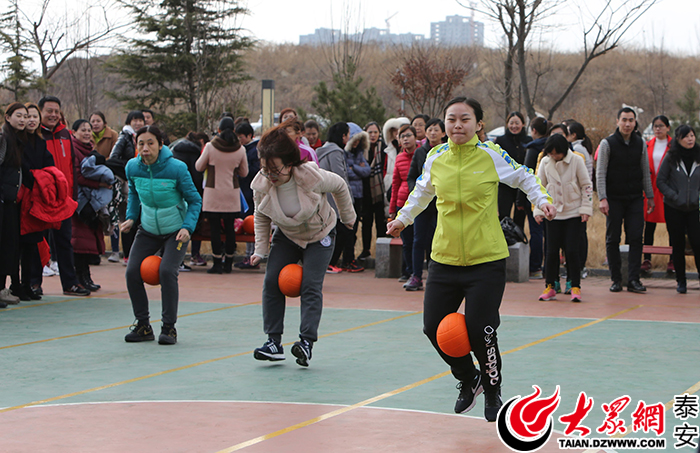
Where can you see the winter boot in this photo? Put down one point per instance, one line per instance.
(216, 268)
(89, 284)
(228, 264)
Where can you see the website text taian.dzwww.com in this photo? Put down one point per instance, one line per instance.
(620, 444)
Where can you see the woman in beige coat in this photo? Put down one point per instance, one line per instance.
(563, 173)
(292, 194)
(103, 136)
(224, 160)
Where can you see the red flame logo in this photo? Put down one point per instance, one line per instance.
(529, 416)
(527, 425)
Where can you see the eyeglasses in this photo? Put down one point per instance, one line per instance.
(267, 172)
(405, 136)
(659, 126)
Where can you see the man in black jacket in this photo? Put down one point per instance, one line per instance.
(246, 136)
(623, 177)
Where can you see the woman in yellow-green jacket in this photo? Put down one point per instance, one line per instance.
(469, 249)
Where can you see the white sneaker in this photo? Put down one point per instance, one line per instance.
(6, 296)
(48, 272)
(114, 257)
(54, 267)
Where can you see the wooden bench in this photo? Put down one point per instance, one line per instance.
(662, 250)
(239, 237)
(204, 226)
(652, 249)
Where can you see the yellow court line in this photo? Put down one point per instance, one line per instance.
(402, 389)
(185, 367)
(120, 327)
(574, 329)
(334, 413)
(41, 304)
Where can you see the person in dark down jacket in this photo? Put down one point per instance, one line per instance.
(188, 150)
(36, 156)
(538, 129)
(162, 194)
(124, 150)
(513, 141)
(358, 169)
(88, 233)
(679, 182)
(246, 135)
(331, 157)
(373, 190)
(12, 142)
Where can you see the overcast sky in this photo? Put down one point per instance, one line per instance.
(674, 24)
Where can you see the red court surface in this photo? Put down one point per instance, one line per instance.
(91, 420)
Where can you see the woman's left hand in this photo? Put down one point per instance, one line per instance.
(584, 217)
(549, 211)
(183, 235)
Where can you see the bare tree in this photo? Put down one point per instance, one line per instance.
(517, 19)
(427, 76)
(343, 52)
(602, 32)
(55, 38)
(657, 77)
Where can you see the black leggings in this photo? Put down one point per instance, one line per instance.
(506, 200)
(215, 219)
(372, 213)
(481, 287)
(563, 234)
(680, 223)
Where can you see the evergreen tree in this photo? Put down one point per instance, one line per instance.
(690, 106)
(18, 79)
(346, 102)
(189, 51)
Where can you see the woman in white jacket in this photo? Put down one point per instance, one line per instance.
(566, 178)
(292, 194)
(391, 135)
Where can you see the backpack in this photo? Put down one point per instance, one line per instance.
(512, 232)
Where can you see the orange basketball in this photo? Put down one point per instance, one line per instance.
(249, 225)
(289, 280)
(150, 270)
(452, 335)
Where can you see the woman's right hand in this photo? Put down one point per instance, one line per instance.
(255, 260)
(126, 226)
(394, 228)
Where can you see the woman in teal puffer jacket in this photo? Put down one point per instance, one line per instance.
(162, 194)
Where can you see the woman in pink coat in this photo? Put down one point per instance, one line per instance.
(224, 160)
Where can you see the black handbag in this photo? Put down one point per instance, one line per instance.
(512, 232)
